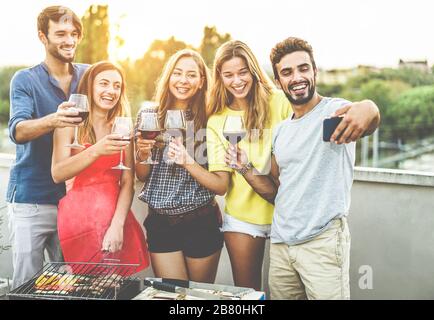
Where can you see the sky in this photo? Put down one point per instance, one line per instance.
(343, 33)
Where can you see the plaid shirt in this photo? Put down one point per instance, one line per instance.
(171, 189)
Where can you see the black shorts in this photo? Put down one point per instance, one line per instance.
(196, 233)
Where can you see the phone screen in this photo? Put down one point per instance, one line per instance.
(329, 126)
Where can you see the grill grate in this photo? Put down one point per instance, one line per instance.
(81, 280)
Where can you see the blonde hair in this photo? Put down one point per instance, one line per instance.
(258, 114)
(198, 102)
(86, 132)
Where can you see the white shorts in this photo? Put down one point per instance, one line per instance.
(231, 224)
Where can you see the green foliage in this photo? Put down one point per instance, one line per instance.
(210, 42)
(143, 73)
(412, 114)
(94, 45)
(329, 90)
(6, 74)
(4, 111)
(404, 97)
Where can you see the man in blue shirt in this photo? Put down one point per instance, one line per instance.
(38, 98)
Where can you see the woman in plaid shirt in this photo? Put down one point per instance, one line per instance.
(183, 222)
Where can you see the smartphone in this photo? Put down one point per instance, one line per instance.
(329, 126)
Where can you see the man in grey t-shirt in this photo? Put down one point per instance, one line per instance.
(310, 182)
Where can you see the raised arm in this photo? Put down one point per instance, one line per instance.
(360, 119)
(266, 185)
(65, 165)
(216, 182)
(22, 125)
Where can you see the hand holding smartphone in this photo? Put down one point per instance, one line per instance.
(329, 126)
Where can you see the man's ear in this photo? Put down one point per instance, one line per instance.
(42, 38)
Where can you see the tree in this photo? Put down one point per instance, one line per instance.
(210, 42)
(143, 73)
(94, 45)
(412, 115)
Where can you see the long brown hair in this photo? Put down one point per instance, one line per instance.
(198, 102)
(258, 114)
(86, 132)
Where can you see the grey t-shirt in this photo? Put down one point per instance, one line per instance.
(315, 176)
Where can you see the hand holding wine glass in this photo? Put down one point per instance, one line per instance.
(124, 127)
(234, 131)
(235, 152)
(110, 144)
(81, 105)
(178, 154)
(175, 125)
(149, 129)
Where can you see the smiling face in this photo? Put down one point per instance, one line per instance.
(61, 40)
(185, 80)
(236, 77)
(107, 89)
(297, 77)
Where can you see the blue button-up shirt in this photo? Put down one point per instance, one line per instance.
(34, 94)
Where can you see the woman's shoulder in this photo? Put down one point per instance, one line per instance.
(279, 105)
(217, 118)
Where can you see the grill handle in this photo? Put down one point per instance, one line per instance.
(161, 286)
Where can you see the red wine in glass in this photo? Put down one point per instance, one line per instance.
(149, 134)
(83, 115)
(82, 106)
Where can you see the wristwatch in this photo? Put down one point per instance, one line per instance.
(246, 168)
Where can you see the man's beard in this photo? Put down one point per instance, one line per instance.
(301, 101)
(55, 53)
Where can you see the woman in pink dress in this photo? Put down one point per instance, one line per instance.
(95, 217)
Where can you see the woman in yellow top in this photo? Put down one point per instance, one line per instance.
(240, 87)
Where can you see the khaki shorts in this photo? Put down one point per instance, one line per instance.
(317, 269)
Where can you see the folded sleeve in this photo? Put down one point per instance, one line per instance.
(21, 102)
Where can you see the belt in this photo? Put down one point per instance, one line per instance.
(189, 215)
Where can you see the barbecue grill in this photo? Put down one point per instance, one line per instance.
(108, 280)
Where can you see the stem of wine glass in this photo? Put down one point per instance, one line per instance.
(121, 159)
(233, 162)
(76, 135)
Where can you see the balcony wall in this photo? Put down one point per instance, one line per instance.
(392, 228)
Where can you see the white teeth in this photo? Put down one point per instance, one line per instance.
(239, 89)
(107, 98)
(182, 90)
(299, 87)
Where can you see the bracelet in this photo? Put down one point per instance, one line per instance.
(246, 168)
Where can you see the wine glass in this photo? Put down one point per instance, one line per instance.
(149, 128)
(123, 126)
(82, 106)
(234, 131)
(175, 125)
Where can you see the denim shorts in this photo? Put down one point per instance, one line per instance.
(232, 224)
